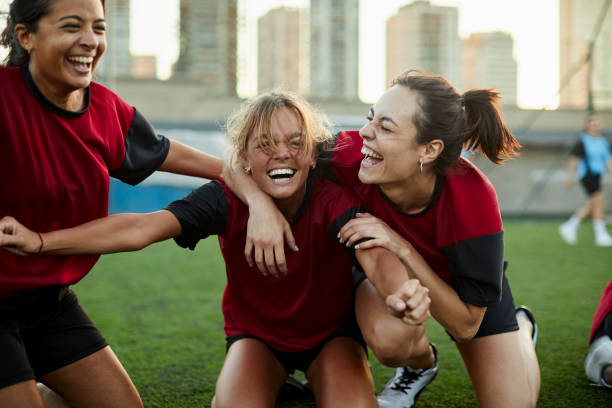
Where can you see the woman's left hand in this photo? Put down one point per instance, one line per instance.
(379, 233)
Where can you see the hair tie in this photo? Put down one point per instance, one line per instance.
(41, 243)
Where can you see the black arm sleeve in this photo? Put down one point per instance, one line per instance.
(578, 150)
(145, 151)
(202, 213)
(477, 266)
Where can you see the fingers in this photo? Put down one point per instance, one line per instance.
(289, 238)
(270, 263)
(410, 303)
(248, 252)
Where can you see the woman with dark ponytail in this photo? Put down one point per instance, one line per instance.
(62, 135)
(439, 214)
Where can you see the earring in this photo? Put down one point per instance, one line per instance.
(421, 165)
(313, 166)
(247, 170)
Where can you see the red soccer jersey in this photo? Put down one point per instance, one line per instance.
(459, 233)
(293, 312)
(55, 169)
(604, 307)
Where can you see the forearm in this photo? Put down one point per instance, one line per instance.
(459, 318)
(386, 273)
(188, 161)
(115, 233)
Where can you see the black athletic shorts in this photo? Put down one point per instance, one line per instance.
(591, 183)
(41, 331)
(301, 360)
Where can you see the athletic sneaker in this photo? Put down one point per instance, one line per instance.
(529, 314)
(404, 388)
(599, 356)
(568, 234)
(603, 239)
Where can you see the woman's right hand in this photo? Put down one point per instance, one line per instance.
(410, 303)
(17, 239)
(267, 231)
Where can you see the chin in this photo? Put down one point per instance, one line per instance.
(366, 178)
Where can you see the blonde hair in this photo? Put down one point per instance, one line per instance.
(254, 116)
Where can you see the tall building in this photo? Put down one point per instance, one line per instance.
(334, 42)
(577, 23)
(488, 63)
(208, 44)
(427, 37)
(116, 62)
(282, 55)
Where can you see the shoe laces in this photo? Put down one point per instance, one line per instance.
(406, 379)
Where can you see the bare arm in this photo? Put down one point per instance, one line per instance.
(572, 165)
(188, 161)
(460, 318)
(405, 297)
(115, 233)
(267, 228)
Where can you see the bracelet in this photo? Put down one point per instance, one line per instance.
(41, 243)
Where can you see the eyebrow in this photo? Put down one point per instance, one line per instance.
(100, 20)
(384, 118)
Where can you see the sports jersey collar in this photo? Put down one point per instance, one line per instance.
(40, 98)
(305, 202)
(430, 204)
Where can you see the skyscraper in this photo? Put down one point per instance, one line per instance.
(334, 43)
(283, 50)
(208, 44)
(577, 23)
(488, 63)
(116, 62)
(424, 36)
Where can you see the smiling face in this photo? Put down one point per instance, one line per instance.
(66, 48)
(389, 139)
(281, 170)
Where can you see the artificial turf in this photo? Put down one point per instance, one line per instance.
(159, 308)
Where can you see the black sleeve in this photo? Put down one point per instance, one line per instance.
(202, 213)
(337, 225)
(145, 151)
(477, 267)
(578, 150)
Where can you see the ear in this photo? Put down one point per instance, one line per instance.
(24, 37)
(244, 162)
(432, 150)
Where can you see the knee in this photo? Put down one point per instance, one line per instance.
(390, 350)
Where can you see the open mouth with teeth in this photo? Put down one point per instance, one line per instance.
(81, 64)
(281, 176)
(371, 158)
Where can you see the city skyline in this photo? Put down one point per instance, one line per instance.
(533, 25)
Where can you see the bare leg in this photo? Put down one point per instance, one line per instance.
(342, 365)
(251, 377)
(21, 395)
(597, 206)
(96, 381)
(492, 360)
(394, 343)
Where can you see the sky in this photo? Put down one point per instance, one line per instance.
(533, 24)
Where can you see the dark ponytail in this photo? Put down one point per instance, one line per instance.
(469, 121)
(28, 13)
(486, 129)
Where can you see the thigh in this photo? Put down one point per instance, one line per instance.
(96, 381)
(251, 376)
(21, 395)
(500, 371)
(392, 341)
(342, 365)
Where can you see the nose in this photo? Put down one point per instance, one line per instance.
(89, 38)
(281, 151)
(366, 131)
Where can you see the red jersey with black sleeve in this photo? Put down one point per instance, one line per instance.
(459, 233)
(292, 312)
(603, 309)
(55, 167)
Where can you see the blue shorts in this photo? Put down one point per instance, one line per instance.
(41, 331)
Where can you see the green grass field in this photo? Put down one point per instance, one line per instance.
(160, 311)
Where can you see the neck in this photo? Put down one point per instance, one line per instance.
(411, 195)
(290, 206)
(68, 100)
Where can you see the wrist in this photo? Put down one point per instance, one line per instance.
(42, 243)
